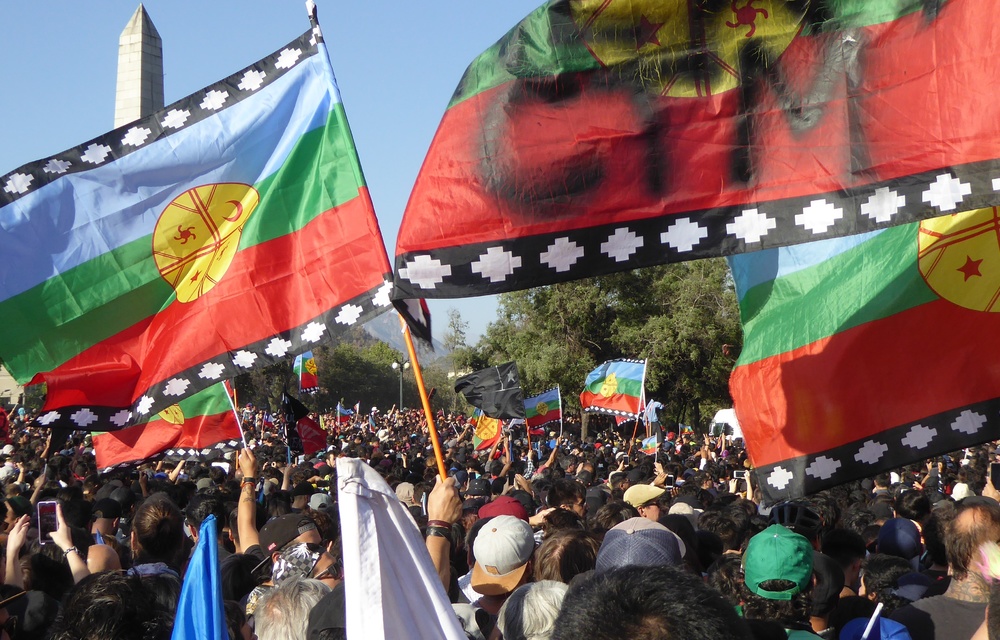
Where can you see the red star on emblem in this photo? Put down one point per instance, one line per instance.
(647, 33)
(970, 268)
(197, 274)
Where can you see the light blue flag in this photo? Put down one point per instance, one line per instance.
(200, 614)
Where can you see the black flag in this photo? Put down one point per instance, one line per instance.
(496, 390)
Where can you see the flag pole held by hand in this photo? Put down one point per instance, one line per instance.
(425, 400)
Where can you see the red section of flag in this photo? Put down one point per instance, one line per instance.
(313, 437)
(267, 289)
(847, 386)
(617, 402)
(144, 441)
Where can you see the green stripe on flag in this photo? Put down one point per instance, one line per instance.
(796, 310)
(320, 173)
(625, 387)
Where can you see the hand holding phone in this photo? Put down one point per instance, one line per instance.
(47, 521)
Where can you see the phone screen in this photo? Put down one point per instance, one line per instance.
(740, 473)
(46, 521)
(670, 482)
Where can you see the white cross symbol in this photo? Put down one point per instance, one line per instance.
(96, 153)
(621, 245)
(883, 205)
(751, 226)
(683, 234)
(288, 58)
(313, 331)
(425, 272)
(278, 347)
(819, 216)
(145, 404)
(381, 297)
(496, 264)
(349, 314)
(871, 452)
(176, 118)
(211, 371)
(135, 136)
(252, 80)
(968, 422)
(779, 478)
(56, 166)
(562, 254)
(214, 100)
(176, 387)
(121, 418)
(823, 467)
(244, 358)
(919, 436)
(18, 183)
(946, 192)
(84, 417)
(49, 418)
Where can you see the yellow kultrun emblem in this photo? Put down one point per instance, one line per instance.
(666, 49)
(610, 386)
(310, 366)
(173, 414)
(198, 234)
(959, 258)
(486, 428)
(541, 408)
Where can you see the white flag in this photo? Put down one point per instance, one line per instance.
(391, 587)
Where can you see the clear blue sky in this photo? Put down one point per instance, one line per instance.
(397, 64)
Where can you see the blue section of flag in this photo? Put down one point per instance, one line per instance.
(757, 267)
(200, 614)
(623, 369)
(342, 411)
(649, 445)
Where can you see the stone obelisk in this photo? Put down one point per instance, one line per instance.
(140, 70)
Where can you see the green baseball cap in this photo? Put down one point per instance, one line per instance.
(777, 553)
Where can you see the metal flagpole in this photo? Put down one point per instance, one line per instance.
(559, 393)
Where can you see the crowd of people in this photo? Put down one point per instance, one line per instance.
(561, 538)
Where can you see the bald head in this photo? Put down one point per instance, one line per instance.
(973, 525)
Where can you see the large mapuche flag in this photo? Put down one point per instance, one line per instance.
(865, 353)
(228, 230)
(603, 135)
(615, 387)
(197, 425)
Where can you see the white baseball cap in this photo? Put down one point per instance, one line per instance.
(502, 550)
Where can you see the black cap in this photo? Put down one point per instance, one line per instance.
(106, 508)
(478, 487)
(303, 489)
(279, 531)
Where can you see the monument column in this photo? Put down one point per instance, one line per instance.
(140, 70)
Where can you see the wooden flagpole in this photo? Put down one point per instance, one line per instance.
(428, 413)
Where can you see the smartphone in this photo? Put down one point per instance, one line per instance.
(46, 521)
(740, 474)
(670, 482)
(995, 473)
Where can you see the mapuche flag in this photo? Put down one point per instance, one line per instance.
(601, 136)
(305, 368)
(615, 387)
(486, 430)
(866, 353)
(496, 390)
(223, 232)
(544, 408)
(196, 426)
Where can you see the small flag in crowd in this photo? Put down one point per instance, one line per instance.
(312, 437)
(544, 408)
(305, 368)
(486, 430)
(615, 387)
(649, 445)
(343, 413)
(200, 612)
(867, 353)
(496, 390)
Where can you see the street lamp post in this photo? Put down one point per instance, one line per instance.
(400, 368)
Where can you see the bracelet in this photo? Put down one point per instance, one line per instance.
(248, 480)
(439, 523)
(439, 532)
(69, 551)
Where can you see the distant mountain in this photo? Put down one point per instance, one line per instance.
(386, 328)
